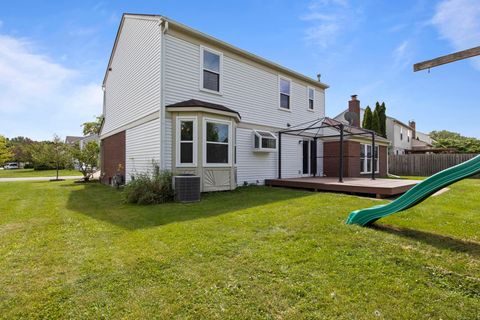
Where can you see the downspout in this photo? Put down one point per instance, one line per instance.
(163, 31)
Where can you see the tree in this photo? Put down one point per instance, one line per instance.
(21, 148)
(448, 139)
(382, 118)
(87, 158)
(5, 152)
(92, 127)
(367, 118)
(61, 155)
(50, 155)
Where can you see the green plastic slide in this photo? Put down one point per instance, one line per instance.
(418, 193)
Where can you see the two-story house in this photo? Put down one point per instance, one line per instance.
(194, 104)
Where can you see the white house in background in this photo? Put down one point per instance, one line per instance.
(195, 104)
(403, 137)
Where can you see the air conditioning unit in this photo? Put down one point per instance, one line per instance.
(187, 188)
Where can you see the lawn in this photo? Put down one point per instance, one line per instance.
(75, 251)
(24, 173)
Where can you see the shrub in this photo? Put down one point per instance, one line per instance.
(149, 188)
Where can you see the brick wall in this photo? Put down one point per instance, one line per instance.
(112, 156)
(351, 160)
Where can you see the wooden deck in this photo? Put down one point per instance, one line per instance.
(380, 188)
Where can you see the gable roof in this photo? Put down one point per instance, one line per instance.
(217, 42)
(72, 139)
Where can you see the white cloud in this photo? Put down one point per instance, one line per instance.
(402, 55)
(458, 21)
(327, 19)
(39, 96)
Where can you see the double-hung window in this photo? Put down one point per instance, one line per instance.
(311, 98)
(408, 135)
(186, 142)
(401, 133)
(284, 86)
(366, 158)
(217, 142)
(211, 72)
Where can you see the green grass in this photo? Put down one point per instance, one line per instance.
(25, 173)
(75, 251)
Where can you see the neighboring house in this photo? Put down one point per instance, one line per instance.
(87, 139)
(357, 149)
(72, 139)
(82, 140)
(403, 137)
(194, 104)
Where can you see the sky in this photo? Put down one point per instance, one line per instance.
(53, 55)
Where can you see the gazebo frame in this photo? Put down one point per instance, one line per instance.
(307, 129)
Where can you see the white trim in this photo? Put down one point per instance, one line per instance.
(308, 98)
(280, 78)
(309, 156)
(366, 158)
(204, 142)
(149, 117)
(205, 110)
(220, 71)
(178, 142)
(163, 30)
(256, 133)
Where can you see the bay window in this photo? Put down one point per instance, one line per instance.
(186, 142)
(217, 142)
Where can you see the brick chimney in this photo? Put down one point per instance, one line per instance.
(412, 124)
(354, 106)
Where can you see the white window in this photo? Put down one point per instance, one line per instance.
(186, 139)
(366, 158)
(211, 70)
(264, 141)
(217, 144)
(284, 88)
(311, 98)
(408, 135)
(401, 133)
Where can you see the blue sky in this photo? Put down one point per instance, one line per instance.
(53, 55)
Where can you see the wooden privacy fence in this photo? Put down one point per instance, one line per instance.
(424, 164)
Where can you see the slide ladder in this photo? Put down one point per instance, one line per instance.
(418, 193)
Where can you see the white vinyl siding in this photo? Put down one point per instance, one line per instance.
(167, 150)
(253, 166)
(133, 84)
(142, 147)
(246, 88)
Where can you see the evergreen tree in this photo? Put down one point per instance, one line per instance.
(367, 118)
(383, 120)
